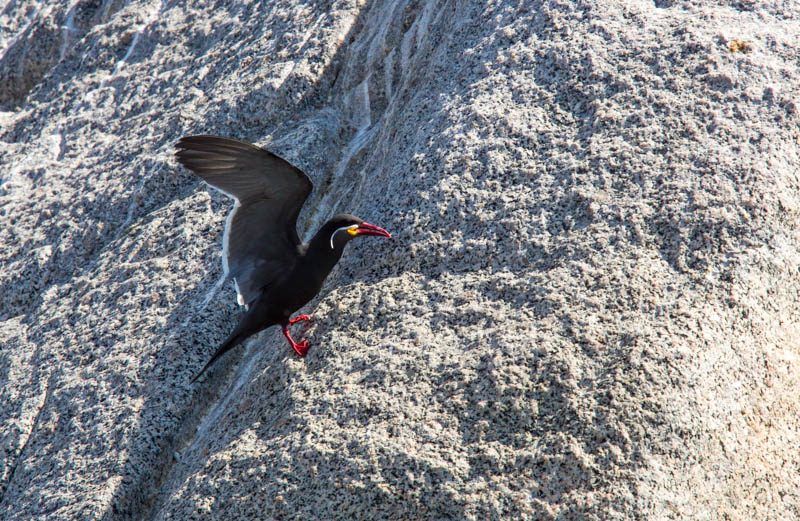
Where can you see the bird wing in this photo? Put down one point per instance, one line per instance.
(261, 241)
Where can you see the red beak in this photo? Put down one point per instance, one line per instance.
(371, 229)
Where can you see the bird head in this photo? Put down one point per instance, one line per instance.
(345, 227)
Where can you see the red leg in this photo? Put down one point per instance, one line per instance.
(299, 318)
(300, 348)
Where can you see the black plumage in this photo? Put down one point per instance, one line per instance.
(274, 273)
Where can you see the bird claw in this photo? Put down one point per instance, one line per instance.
(301, 348)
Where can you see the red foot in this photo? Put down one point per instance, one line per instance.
(300, 348)
(299, 318)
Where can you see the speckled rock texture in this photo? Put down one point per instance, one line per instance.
(589, 309)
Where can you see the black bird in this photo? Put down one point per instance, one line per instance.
(274, 273)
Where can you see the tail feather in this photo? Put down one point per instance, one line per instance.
(235, 339)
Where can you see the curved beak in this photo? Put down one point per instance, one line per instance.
(371, 229)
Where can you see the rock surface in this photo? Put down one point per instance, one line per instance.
(589, 309)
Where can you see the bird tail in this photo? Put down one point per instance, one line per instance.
(235, 339)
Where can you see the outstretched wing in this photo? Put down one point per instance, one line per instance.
(260, 242)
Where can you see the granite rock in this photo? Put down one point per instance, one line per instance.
(589, 309)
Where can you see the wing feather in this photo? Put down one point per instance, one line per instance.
(261, 235)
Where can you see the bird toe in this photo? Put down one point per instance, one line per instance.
(301, 348)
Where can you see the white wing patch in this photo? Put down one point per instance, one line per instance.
(239, 296)
(226, 236)
(226, 244)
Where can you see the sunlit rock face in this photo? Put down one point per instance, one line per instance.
(588, 309)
